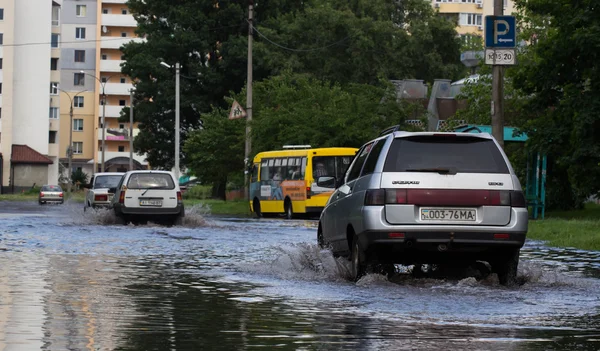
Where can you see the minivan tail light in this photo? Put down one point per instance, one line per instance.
(308, 192)
(374, 197)
(395, 196)
(517, 199)
(122, 196)
(100, 197)
(179, 198)
(499, 198)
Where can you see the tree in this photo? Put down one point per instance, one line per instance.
(560, 70)
(293, 109)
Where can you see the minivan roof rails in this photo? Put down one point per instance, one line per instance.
(390, 130)
(297, 146)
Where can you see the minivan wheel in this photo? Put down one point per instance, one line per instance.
(320, 239)
(357, 259)
(506, 267)
(289, 212)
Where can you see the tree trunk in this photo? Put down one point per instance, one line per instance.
(219, 190)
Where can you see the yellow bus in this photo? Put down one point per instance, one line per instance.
(284, 181)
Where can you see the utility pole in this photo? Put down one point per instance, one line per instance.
(70, 152)
(498, 90)
(103, 126)
(248, 98)
(131, 130)
(177, 69)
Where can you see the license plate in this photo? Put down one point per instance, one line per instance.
(150, 202)
(449, 214)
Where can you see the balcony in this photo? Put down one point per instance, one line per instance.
(110, 65)
(114, 134)
(111, 111)
(118, 20)
(116, 42)
(114, 1)
(53, 150)
(114, 154)
(54, 124)
(118, 88)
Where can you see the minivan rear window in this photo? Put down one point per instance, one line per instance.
(453, 153)
(150, 181)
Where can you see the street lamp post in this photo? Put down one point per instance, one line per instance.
(70, 148)
(177, 70)
(103, 84)
(131, 130)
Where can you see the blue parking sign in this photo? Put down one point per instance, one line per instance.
(500, 32)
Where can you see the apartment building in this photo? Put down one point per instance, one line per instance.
(93, 31)
(29, 76)
(469, 15)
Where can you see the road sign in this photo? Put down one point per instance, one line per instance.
(236, 111)
(506, 57)
(500, 32)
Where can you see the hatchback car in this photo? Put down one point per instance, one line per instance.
(148, 195)
(51, 193)
(427, 199)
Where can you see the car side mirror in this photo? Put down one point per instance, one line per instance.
(326, 182)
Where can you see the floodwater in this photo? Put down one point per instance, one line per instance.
(75, 281)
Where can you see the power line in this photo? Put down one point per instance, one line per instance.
(102, 39)
(300, 50)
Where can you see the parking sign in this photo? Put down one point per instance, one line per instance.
(500, 32)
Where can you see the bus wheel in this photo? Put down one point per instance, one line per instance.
(256, 207)
(289, 212)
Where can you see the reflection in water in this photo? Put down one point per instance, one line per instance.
(83, 284)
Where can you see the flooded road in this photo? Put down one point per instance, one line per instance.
(75, 281)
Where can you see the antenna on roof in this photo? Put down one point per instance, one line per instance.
(297, 147)
(390, 130)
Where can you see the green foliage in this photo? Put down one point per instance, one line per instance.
(560, 70)
(337, 41)
(471, 42)
(79, 176)
(198, 192)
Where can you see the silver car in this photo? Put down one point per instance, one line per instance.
(50, 193)
(421, 199)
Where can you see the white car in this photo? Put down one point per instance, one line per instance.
(148, 195)
(101, 189)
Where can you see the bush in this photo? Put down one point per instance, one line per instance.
(200, 192)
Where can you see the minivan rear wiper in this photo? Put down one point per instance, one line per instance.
(440, 170)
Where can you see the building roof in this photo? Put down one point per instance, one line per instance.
(27, 155)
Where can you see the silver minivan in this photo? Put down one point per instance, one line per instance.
(427, 199)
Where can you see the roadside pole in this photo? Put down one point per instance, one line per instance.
(131, 130)
(177, 72)
(248, 145)
(500, 51)
(498, 90)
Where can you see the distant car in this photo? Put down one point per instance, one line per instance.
(102, 188)
(447, 199)
(148, 195)
(51, 193)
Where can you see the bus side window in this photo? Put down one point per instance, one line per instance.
(303, 169)
(264, 171)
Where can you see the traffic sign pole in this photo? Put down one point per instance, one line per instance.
(498, 85)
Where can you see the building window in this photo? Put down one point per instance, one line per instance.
(79, 55)
(1, 38)
(0, 88)
(79, 79)
(1, 14)
(79, 33)
(470, 19)
(54, 41)
(121, 126)
(121, 148)
(78, 147)
(81, 10)
(105, 11)
(53, 88)
(122, 57)
(104, 57)
(123, 11)
(53, 113)
(123, 34)
(52, 137)
(0, 62)
(123, 80)
(104, 79)
(121, 102)
(54, 64)
(78, 125)
(78, 101)
(56, 16)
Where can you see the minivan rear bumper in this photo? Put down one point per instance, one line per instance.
(433, 243)
(122, 210)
